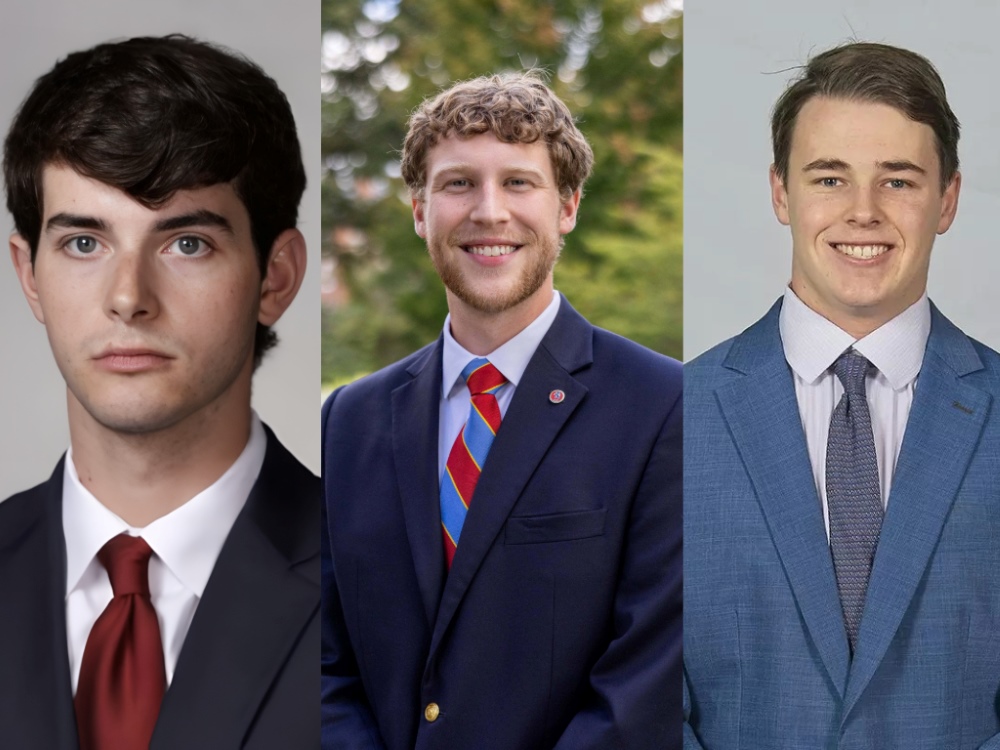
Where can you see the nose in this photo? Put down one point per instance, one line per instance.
(131, 294)
(864, 210)
(490, 205)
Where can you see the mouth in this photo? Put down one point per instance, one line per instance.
(126, 360)
(860, 252)
(490, 251)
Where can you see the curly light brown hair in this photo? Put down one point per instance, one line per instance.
(516, 108)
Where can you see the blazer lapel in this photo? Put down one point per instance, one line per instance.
(262, 594)
(415, 413)
(762, 413)
(527, 431)
(35, 677)
(942, 432)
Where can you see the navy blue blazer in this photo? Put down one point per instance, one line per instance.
(559, 622)
(246, 676)
(766, 658)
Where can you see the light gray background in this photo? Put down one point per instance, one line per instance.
(283, 38)
(737, 258)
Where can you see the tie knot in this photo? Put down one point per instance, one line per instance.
(851, 368)
(126, 558)
(482, 377)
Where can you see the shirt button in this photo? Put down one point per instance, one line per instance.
(432, 711)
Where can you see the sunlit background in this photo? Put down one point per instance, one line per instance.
(618, 66)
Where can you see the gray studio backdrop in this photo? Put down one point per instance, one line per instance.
(283, 38)
(737, 258)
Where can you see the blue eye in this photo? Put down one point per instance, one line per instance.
(83, 245)
(190, 246)
(897, 183)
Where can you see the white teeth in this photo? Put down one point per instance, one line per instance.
(862, 251)
(491, 250)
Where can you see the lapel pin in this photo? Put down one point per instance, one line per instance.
(557, 396)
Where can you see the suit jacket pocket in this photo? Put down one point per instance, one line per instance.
(554, 527)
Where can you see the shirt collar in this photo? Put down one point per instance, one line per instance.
(812, 343)
(187, 540)
(511, 358)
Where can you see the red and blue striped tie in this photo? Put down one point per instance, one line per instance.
(468, 454)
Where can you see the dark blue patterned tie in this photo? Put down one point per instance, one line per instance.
(852, 490)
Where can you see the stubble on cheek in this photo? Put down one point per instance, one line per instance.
(501, 293)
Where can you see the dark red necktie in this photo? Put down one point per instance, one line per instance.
(122, 677)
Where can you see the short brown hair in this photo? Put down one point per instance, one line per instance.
(866, 72)
(516, 108)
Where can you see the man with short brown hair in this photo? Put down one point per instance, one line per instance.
(841, 465)
(502, 551)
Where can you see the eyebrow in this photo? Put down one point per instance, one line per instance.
(826, 165)
(838, 165)
(901, 165)
(75, 221)
(200, 218)
(465, 168)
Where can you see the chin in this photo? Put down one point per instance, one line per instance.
(135, 414)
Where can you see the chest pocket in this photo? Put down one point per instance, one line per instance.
(554, 527)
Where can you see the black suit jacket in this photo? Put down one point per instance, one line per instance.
(247, 674)
(559, 622)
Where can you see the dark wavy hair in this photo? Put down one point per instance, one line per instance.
(154, 115)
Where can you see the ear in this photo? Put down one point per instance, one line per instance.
(20, 253)
(419, 222)
(567, 213)
(949, 203)
(285, 271)
(779, 197)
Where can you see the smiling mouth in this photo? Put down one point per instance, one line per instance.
(490, 251)
(862, 252)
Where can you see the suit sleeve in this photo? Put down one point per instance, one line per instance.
(691, 741)
(993, 743)
(347, 719)
(634, 694)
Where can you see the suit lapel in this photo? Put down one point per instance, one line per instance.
(35, 676)
(942, 432)
(763, 416)
(262, 593)
(415, 414)
(527, 431)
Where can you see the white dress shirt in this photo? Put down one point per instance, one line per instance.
(812, 344)
(186, 543)
(511, 359)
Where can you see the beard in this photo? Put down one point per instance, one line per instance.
(494, 290)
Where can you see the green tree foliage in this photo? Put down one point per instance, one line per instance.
(617, 65)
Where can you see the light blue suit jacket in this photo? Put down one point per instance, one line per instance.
(767, 664)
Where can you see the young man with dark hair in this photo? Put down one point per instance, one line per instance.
(502, 567)
(161, 589)
(841, 467)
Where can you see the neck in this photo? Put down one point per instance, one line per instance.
(481, 333)
(141, 477)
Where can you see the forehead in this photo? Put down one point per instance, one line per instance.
(486, 152)
(859, 133)
(64, 190)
